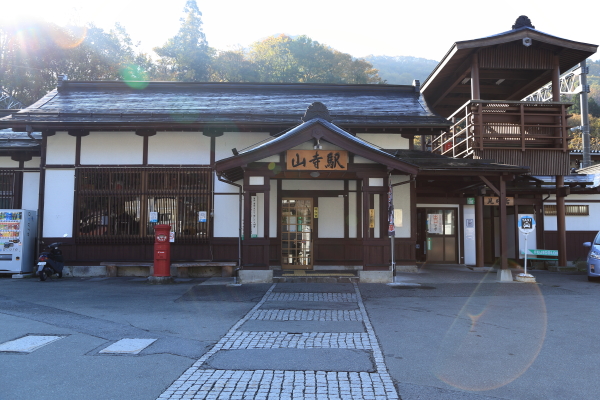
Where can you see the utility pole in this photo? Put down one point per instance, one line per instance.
(585, 119)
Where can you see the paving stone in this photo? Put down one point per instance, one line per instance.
(303, 326)
(325, 328)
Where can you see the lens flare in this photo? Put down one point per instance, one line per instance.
(134, 76)
(274, 167)
(68, 37)
(487, 321)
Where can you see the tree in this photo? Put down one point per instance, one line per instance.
(33, 54)
(186, 56)
(301, 59)
(232, 66)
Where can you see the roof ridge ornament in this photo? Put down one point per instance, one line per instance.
(317, 110)
(522, 21)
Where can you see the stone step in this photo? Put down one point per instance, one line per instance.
(315, 276)
(315, 279)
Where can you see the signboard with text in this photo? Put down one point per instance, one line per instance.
(317, 160)
(495, 201)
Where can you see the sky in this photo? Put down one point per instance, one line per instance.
(424, 29)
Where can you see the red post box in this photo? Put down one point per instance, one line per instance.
(162, 250)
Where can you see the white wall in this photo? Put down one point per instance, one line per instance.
(239, 140)
(309, 145)
(385, 140)
(352, 223)
(58, 202)
(112, 148)
(31, 190)
(61, 149)
(402, 219)
(316, 184)
(469, 235)
(179, 148)
(33, 163)
(362, 160)
(226, 219)
(6, 162)
(331, 217)
(590, 222)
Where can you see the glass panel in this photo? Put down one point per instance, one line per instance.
(449, 222)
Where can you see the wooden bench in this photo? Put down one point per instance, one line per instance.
(546, 255)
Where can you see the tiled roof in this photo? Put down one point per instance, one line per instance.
(175, 102)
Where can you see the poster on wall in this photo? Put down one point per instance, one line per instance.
(253, 216)
(469, 229)
(434, 223)
(153, 216)
(201, 216)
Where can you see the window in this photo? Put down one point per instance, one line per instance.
(7, 189)
(122, 205)
(570, 210)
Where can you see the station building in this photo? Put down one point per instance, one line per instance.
(305, 176)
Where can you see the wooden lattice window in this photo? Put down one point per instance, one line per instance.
(570, 210)
(7, 189)
(122, 205)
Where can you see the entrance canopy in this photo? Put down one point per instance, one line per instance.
(316, 130)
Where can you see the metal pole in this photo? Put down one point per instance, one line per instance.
(527, 234)
(393, 260)
(585, 119)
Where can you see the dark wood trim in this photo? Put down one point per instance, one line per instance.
(145, 145)
(42, 190)
(503, 226)
(306, 134)
(561, 222)
(78, 132)
(346, 210)
(77, 150)
(213, 147)
(479, 233)
(460, 233)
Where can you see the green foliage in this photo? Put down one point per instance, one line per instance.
(301, 59)
(593, 106)
(402, 70)
(186, 56)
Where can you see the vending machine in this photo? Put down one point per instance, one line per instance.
(17, 241)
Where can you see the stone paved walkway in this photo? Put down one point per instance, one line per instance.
(201, 381)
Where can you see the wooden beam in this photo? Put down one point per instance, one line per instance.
(479, 247)
(475, 89)
(561, 226)
(489, 184)
(556, 79)
(503, 226)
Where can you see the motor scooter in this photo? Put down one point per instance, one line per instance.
(50, 262)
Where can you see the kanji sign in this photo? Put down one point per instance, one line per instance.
(495, 201)
(317, 160)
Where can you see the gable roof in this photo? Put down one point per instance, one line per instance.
(245, 106)
(316, 128)
(444, 91)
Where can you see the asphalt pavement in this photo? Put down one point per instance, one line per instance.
(446, 332)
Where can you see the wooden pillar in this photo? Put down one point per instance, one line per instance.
(556, 79)
(503, 227)
(475, 91)
(561, 228)
(479, 256)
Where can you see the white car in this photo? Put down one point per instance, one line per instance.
(593, 260)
